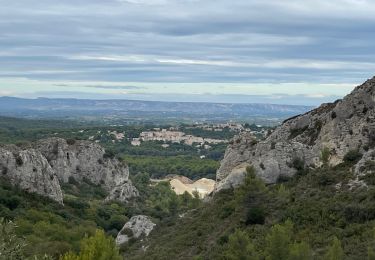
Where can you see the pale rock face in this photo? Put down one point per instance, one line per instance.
(137, 226)
(84, 159)
(345, 125)
(52, 161)
(367, 164)
(30, 170)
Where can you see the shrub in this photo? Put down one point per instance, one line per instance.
(255, 215)
(117, 222)
(333, 115)
(19, 160)
(278, 241)
(98, 246)
(324, 155)
(71, 141)
(109, 154)
(326, 179)
(335, 251)
(282, 178)
(4, 170)
(261, 165)
(298, 164)
(127, 231)
(239, 246)
(72, 180)
(352, 157)
(294, 132)
(11, 247)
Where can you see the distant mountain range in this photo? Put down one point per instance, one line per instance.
(148, 110)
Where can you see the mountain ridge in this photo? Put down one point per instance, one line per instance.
(344, 126)
(47, 107)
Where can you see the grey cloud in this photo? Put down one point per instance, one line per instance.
(223, 40)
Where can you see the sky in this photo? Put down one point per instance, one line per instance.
(238, 51)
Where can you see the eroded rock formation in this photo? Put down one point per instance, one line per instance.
(49, 162)
(339, 127)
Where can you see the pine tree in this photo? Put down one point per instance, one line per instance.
(335, 251)
(11, 246)
(279, 241)
(300, 251)
(97, 247)
(370, 250)
(239, 247)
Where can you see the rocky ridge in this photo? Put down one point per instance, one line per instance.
(339, 127)
(42, 167)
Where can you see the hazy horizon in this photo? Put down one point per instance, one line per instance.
(290, 52)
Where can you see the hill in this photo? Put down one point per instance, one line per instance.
(112, 110)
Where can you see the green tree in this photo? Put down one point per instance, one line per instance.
(11, 246)
(300, 251)
(97, 247)
(370, 254)
(279, 241)
(335, 251)
(370, 250)
(252, 189)
(239, 247)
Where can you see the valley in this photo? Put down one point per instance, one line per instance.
(301, 190)
(187, 130)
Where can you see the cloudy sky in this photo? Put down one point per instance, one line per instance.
(290, 51)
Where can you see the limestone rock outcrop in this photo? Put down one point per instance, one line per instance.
(30, 170)
(339, 127)
(136, 227)
(48, 162)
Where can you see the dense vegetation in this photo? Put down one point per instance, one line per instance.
(317, 214)
(159, 167)
(52, 229)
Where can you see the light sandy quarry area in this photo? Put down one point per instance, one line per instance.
(202, 186)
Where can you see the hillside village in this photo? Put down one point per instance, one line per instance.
(174, 135)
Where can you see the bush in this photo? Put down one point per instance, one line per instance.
(4, 170)
(282, 179)
(109, 154)
(19, 160)
(326, 179)
(255, 215)
(324, 155)
(333, 115)
(117, 222)
(127, 231)
(11, 247)
(71, 141)
(98, 246)
(352, 157)
(261, 165)
(298, 164)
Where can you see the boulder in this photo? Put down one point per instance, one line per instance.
(136, 227)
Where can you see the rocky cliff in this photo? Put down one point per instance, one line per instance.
(47, 163)
(337, 128)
